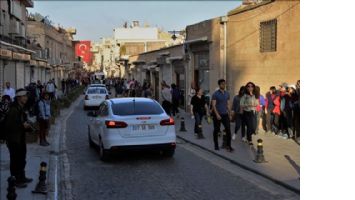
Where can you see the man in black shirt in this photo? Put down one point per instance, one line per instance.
(198, 109)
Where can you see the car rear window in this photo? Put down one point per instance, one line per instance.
(96, 91)
(137, 108)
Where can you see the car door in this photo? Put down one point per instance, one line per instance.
(95, 125)
(101, 118)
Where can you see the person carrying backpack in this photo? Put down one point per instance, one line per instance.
(4, 109)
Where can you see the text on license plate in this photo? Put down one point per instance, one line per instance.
(143, 127)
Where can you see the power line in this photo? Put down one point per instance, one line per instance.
(253, 32)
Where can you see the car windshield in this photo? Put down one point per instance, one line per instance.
(137, 108)
(96, 91)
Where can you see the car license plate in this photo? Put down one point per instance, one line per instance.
(97, 97)
(143, 127)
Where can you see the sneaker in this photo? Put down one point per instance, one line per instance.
(229, 149)
(42, 143)
(27, 180)
(20, 184)
(233, 137)
(285, 136)
(244, 139)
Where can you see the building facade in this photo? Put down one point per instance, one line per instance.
(57, 47)
(14, 53)
(263, 44)
(165, 64)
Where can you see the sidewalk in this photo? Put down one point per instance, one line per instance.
(282, 156)
(35, 155)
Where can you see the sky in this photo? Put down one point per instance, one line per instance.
(95, 19)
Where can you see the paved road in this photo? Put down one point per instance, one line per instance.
(191, 174)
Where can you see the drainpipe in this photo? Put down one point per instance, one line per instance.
(224, 20)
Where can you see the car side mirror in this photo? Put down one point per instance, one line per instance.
(92, 114)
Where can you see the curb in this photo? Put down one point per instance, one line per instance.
(285, 185)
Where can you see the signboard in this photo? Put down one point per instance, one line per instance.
(16, 56)
(5, 53)
(26, 57)
(33, 62)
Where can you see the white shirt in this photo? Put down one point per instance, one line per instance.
(50, 87)
(10, 92)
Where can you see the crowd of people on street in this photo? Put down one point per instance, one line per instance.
(278, 112)
(20, 111)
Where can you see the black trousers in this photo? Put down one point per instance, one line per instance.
(167, 107)
(240, 123)
(217, 126)
(249, 117)
(17, 159)
(175, 106)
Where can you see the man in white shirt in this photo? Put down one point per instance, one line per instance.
(9, 91)
(50, 88)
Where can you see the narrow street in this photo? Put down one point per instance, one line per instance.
(190, 174)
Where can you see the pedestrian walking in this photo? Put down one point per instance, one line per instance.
(175, 93)
(222, 114)
(199, 109)
(50, 89)
(259, 109)
(248, 104)
(237, 114)
(63, 86)
(9, 91)
(166, 95)
(4, 109)
(15, 126)
(272, 110)
(44, 108)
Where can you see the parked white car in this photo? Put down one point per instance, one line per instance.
(94, 85)
(131, 124)
(94, 96)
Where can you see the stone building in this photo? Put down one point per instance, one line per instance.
(57, 47)
(165, 64)
(14, 53)
(263, 44)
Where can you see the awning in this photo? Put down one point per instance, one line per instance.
(16, 46)
(202, 39)
(175, 58)
(166, 53)
(152, 67)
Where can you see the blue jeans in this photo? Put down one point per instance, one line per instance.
(198, 122)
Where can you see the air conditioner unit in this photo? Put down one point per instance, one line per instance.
(14, 27)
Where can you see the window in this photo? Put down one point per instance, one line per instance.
(137, 108)
(268, 36)
(96, 91)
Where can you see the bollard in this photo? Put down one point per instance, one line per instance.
(259, 158)
(41, 185)
(182, 125)
(11, 189)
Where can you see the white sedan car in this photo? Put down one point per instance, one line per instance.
(94, 96)
(131, 124)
